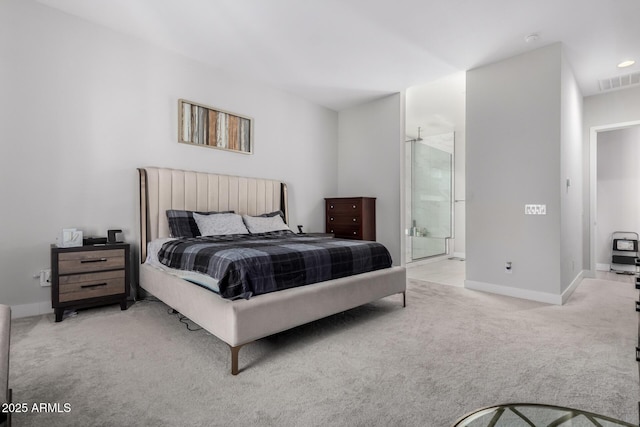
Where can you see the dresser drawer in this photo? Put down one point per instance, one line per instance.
(344, 205)
(340, 219)
(90, 285)
(345, 231)
(81, 262)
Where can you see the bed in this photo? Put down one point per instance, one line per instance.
(238, 322)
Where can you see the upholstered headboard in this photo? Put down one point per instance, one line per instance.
(162, 189)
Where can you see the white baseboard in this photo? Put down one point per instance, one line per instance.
(545, 297)
(603, 267)
(34, 309)
(573, 286)
(514, 292)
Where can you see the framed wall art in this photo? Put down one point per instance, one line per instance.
(214, 128)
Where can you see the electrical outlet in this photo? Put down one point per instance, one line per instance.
(45, 277)
(508, 268)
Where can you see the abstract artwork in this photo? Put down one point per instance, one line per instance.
(210, 127)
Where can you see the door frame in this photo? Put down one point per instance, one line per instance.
(593, 183)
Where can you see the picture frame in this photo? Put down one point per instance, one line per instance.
(211, 127)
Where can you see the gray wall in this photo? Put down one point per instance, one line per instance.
(82, 107)
(519, 117)
(571, 179)
(369, 162)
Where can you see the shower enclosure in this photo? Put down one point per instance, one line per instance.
(429, 195)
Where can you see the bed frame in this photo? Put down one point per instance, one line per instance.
(240, 322)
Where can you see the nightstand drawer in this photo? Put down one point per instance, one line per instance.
(80, 262)
(90, 285)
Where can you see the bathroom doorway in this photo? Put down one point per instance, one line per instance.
(429, 195)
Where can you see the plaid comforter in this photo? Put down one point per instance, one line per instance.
(255, 264)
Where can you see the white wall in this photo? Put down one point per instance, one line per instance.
(515, 129)
(81, 107)
(607, 109)
(618, 186)
(571, 179)
(370, 149)
(439, 107)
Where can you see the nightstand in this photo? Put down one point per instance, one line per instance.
(87, 276)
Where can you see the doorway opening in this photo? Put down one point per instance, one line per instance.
(429, 195)
(599, 233)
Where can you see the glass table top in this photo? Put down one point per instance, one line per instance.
(535, 415)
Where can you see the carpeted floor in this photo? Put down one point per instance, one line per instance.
(447, 353)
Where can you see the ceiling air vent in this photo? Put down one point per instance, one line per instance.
(619, 82)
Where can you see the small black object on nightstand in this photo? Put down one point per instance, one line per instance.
(111, 236)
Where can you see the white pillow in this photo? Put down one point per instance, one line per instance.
(220, 224)
(261, 224)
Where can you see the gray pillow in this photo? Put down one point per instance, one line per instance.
(264, 224)
(182, 224)
(220, 224)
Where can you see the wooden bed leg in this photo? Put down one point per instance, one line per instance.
(404, 299)
(234, 359)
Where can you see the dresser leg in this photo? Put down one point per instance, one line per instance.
(123, 304)
(58, 312)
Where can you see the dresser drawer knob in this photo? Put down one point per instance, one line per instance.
(331, 207)
(354, 206)
(354, 220)
(84, 261)
(355, 232)
(332, 231)
(95, 285)
(331, 219)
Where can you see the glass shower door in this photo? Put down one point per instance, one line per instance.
(431, 222)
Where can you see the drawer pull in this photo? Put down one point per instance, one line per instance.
(354, 220)
(332, 231)
(84, 261)
(354, 206)
(95, 285)
(331, 219)
(355, 232)
(331, 207)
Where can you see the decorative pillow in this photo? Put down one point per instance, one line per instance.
(220, 224)
(264, 224)
(182, 223)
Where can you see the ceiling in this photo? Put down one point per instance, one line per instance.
(339, 53)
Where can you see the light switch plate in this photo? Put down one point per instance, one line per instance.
(535, 209)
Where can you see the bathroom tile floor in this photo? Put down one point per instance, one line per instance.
(452, 272)
(445, 271)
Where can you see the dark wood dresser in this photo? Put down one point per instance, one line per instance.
(87, 276)
(351, 217)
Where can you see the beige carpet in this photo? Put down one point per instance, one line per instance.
(447, 353)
